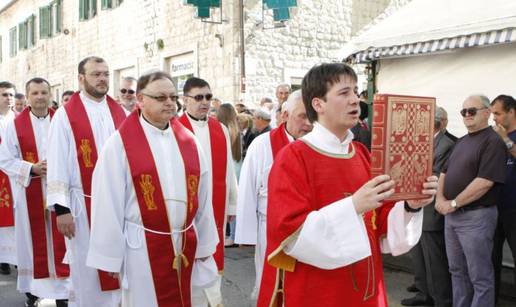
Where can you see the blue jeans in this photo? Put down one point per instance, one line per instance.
(469, 244)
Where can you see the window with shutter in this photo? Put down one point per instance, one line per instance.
(106, 4)
(12, 42)
(31, 31)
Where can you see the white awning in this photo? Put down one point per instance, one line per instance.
(435, 26)
(494, 37)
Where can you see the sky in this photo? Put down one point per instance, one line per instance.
(3, 3)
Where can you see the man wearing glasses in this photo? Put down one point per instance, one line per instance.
(468, 193)
(76, 136)
(214, 138)
(7, 243)
(128, 94)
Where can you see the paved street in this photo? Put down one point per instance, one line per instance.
(237, 284)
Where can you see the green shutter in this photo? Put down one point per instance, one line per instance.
(22, 36)
(50, 20)
(106, 4)
(59, 16)
(93, 8)
(12, 42)
(31, 36)
(81, 9)
(45, 25)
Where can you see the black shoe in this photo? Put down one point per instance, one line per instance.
(32, 301)
(5, 269)
(417, 300)
(412, 288)
(61, 303)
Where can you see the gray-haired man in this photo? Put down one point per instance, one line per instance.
(468, 192)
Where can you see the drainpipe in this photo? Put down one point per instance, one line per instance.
(242, 45)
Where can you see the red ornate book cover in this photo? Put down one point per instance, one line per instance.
(403, 141)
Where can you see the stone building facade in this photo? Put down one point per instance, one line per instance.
(48, 38)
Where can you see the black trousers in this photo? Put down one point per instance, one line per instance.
(432, 276)
(505, 230)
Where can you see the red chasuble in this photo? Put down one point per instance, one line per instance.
(171, 273)
(279, 139)
(36, 206)
(219, 166)
(6, 201)
(87, 156)
(304, 179)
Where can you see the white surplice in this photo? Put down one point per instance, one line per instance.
(251, 216)
(64, 187)
(11, 161)
(329, 227)
(117, 242)
(7, 236)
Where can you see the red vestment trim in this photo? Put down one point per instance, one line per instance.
(6, 201)
(36, 205)
(219, 166)
(171, 273)
(279, 139)
(87, 156)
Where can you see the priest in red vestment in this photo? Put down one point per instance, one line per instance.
(327, 224)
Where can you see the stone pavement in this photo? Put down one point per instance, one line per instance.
(237, 284)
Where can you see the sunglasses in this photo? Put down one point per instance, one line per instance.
(163, 98)
(123, 91)
(200, 97)
(7, 94)
(470, 111)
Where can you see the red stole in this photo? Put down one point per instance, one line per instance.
(279, 139)
(219, 166)
(87, 156)
(6, 201)
(171, 273)
(36, 206)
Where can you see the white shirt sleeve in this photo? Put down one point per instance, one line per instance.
(11, 161)
(403, 230)
(332, 237)
(107, 239)
(59, 160)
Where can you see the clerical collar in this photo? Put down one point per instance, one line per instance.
(148, 122)
(39, 117)
(325, 140)
(289, 136)
(197, 120)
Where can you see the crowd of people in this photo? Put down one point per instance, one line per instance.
(131, 200)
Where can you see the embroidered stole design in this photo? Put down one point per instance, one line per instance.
(6, 201)
(87, 156)
(36, 206)
(171, 272)
(219, 166)
(279, 139)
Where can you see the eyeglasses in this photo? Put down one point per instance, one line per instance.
(163, 98)
(124, 91)
(470, 111)
(200, 97)
(97, 74)
(8, 94)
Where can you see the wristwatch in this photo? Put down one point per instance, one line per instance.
(509, 144)
(453, 204)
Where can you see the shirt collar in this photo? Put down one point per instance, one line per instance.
(152, 129)
(87, 100)
(197, 122)
(325, 140)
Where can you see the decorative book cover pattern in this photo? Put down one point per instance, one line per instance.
(402, 142)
